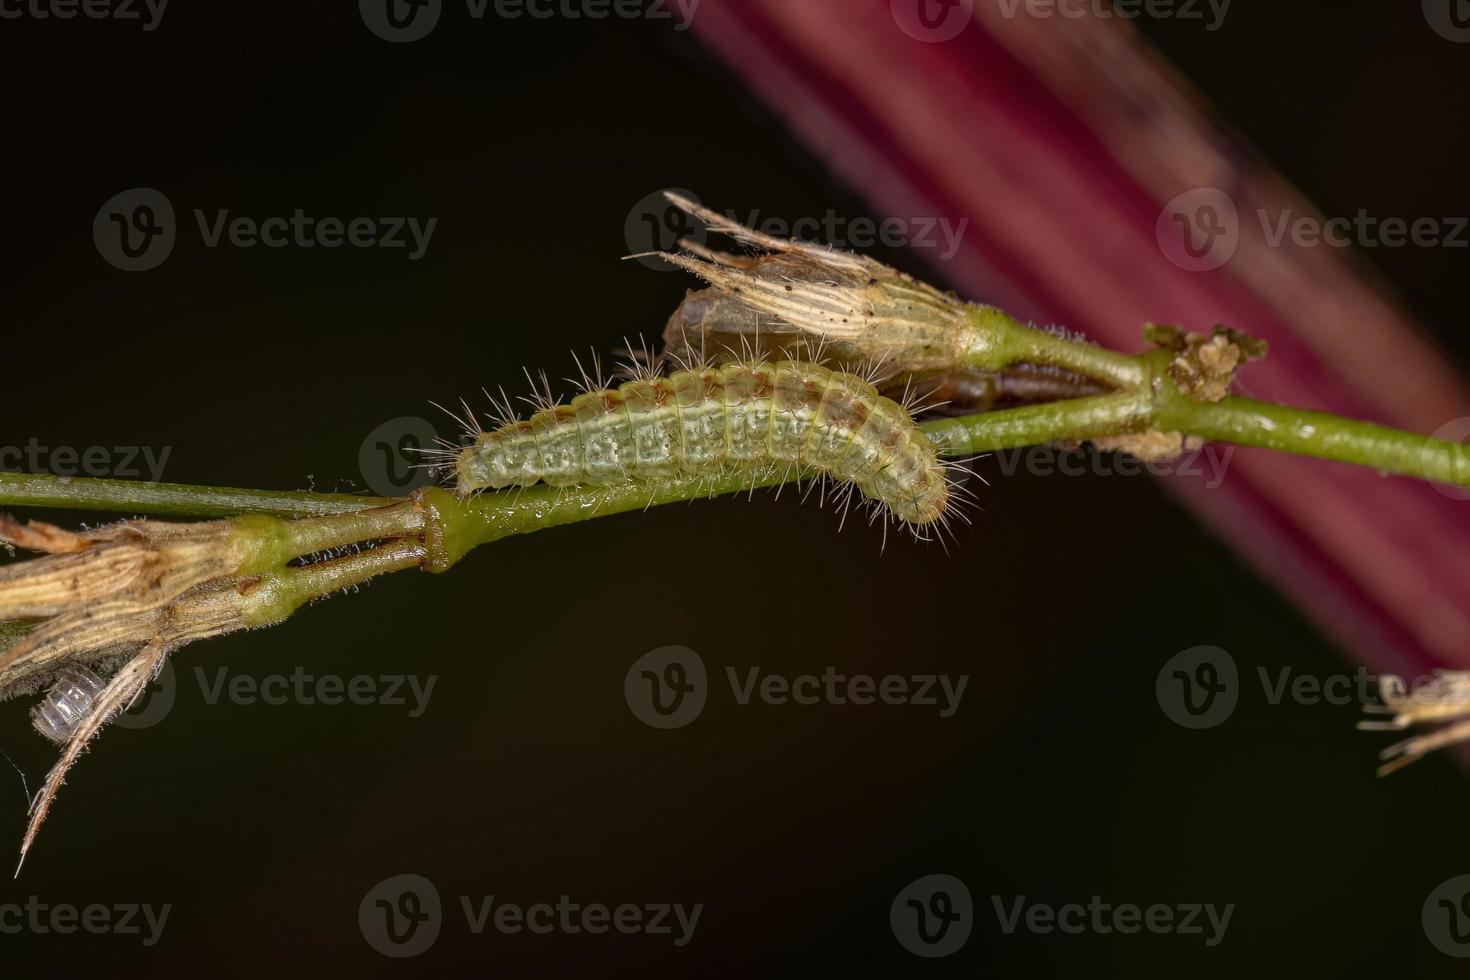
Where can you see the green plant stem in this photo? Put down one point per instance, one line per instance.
(456, 526)
(998, 340)
(183, 500)
(1247, 422)
(1071, 420)
(271, 542)
(282, 591)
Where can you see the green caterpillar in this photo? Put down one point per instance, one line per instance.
(753, 417)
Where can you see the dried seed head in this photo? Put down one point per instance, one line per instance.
(105, 593)
(1444, 700)
(863, 309)
(133, 593)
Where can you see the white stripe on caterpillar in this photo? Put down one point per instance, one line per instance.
(755, 418)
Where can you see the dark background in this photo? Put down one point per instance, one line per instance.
(528, 777)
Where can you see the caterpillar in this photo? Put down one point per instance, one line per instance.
(59, 713)
(746, 416)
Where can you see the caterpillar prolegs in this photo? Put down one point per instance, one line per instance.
(746, 417)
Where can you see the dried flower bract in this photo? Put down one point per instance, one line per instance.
(862, 309)
(121, 599)
(1444, 701)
